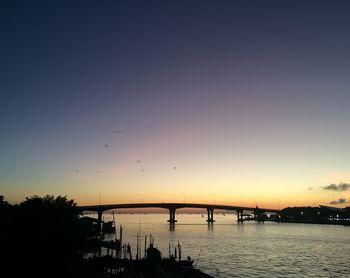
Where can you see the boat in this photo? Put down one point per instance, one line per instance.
(108, 227)
(119, 262)
(151, 266)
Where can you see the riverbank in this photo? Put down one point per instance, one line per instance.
(311, 221)
(111, 267)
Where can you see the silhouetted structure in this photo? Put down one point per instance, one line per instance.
(317, 215)
(50, 239)
(259, 213)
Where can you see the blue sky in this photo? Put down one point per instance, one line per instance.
(247, 99)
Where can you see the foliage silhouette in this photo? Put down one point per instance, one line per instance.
(42, 236)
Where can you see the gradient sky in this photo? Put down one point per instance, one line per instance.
(249, 100)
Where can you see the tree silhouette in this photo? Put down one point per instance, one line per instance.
(42, 236)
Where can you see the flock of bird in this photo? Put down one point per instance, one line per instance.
(119, 131)
(143, 170)
(99, 171)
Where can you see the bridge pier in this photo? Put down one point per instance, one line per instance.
(172, 216)
(239, 216)
(99, 222)
(259, 215)
(278, 216)
(210, 215)
(99, 228)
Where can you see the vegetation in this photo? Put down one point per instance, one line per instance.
(42, 236)
(322, 215)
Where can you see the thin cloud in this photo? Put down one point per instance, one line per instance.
(338, 202)
(137, 128)
(339, 187)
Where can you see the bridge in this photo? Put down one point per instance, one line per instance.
(172, 207)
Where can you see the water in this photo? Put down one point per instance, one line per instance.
(228, 249)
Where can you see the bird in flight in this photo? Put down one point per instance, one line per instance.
(106, 146)
(138, 161)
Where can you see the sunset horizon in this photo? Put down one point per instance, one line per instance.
(175, 138)
(241, 104)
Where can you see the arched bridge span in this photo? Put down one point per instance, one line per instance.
(172, 207)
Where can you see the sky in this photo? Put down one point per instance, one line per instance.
(226, 102)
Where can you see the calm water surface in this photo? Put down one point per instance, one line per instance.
(228, 249)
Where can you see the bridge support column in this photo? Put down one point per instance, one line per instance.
(210, 215)
(278, 216)
(259, 215)
(172, 216)
(240, 216)
(99, 229)
(99, 222)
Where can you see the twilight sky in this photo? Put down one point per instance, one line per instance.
(233, 102)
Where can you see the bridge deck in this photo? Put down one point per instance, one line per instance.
(172, 206)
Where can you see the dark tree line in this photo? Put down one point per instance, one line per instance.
(43, 237)
(315, 214)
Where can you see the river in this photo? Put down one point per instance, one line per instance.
(227, 249)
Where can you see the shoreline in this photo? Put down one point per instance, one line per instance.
(338, 222)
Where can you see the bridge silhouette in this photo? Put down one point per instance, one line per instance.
(258, 213)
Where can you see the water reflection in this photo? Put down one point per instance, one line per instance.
(248, 249)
